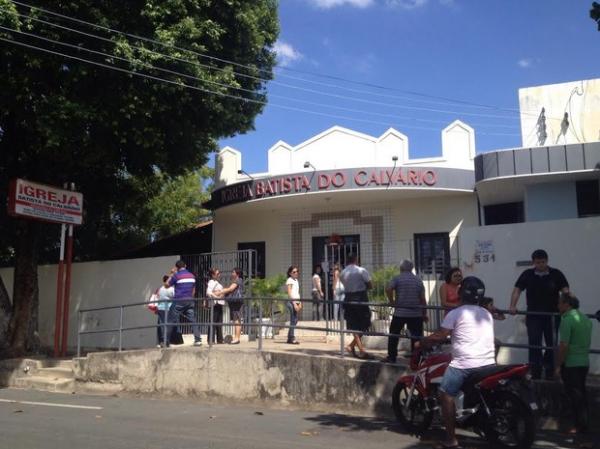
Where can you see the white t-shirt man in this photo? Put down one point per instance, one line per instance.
(472, 329)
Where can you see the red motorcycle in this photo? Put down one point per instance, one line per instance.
(497, 402)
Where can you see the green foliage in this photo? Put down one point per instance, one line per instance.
(113, 133)
(381, 278)
(178, 205)
(271, 287)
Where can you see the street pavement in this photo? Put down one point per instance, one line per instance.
(33, 420)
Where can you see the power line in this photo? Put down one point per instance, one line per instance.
(110, 30)
(342, 97)
(244, 99)
(172, 72)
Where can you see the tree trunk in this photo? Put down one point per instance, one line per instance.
(5, 314)
(22, 329)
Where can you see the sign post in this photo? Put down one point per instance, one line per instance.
(42, 202)
(59, 291)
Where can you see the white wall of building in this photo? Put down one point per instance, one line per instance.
(401, 220)
(573, 247)
(550, 201)
(342, 148)
(99, 284)
(580, 99)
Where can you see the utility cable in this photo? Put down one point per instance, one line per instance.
(466, 103)
(328, 94)
(249, 100)
(172, 72)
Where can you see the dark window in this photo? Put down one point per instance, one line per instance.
(588, 198)
(260, 255)
(432, 253)
(504, 213)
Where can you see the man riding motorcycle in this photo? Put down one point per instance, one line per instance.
(471, 329)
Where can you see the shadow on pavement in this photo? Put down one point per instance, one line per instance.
(544, 438)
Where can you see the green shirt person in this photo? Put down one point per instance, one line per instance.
(575, 336)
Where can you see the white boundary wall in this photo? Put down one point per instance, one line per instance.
(99, 284)
(573, 246)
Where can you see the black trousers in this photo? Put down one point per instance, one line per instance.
(217, 330)
(574, 381)
(415, 327)
(541, 327)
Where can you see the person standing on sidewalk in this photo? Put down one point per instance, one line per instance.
(406, 293)
(317, 293)
(573, 361)
(356, 281)
(162, 309)
(214, 293)
(184, 300)
(294, 305)
(543, 285)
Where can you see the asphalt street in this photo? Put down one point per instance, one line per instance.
(52, 420)
(33, 420)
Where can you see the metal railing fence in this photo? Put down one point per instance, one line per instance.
(263, 307)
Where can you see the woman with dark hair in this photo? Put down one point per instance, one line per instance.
(449, 297)
(317, 293)
(234, 295)
(214, 292)
(338, 291)
(294, 305)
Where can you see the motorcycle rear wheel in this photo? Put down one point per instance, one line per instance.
(416, 418)
(512, 424)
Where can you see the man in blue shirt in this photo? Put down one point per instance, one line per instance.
(184, 301)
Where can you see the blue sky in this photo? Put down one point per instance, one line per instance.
(475, 51)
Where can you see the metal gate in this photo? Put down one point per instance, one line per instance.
(225, 262)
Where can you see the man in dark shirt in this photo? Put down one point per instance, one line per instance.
(542, 284)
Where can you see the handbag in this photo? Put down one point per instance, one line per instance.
(151, 305)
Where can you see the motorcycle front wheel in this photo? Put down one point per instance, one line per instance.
(511, 424)
(415, 417)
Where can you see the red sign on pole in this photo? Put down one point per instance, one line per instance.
(41, 202)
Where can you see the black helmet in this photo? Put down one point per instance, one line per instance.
(472, 290)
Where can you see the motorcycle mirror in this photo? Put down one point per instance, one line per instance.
(598, 315)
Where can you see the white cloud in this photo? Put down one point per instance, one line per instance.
(407, 4)
(286, 54)
(328, 4)
(525, 63)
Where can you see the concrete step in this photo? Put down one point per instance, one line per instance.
(46, 384)
(57, 363)
(55, 373)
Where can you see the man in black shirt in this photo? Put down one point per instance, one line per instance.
(542, 284)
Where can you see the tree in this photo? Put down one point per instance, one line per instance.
(112, 132)
(595, 13)
(178, 205)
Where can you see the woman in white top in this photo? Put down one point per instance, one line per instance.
(338, 291)
(294, 306)
(215, 295)
(162, 309)
(317, 293)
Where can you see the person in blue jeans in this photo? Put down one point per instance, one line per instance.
(162, 309)
(294, 305)
(542, 284)
(184, 301)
